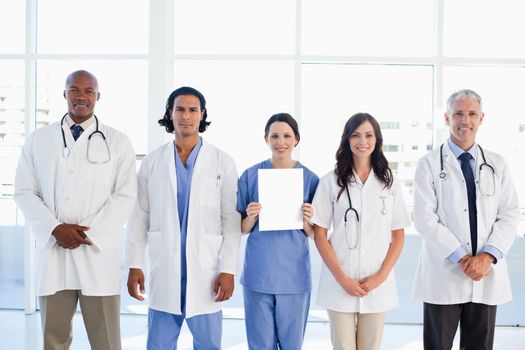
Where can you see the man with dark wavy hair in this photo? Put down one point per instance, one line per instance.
(186, 217)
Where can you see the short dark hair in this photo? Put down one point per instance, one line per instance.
(285, 118)
(183, 91)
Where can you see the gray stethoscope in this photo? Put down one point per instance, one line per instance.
(92, 156)
(354, 211)
(482, 169)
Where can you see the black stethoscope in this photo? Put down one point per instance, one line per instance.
(443, 174)
(66, 152)
(352, 210)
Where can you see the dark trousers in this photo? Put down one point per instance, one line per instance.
(476, 322)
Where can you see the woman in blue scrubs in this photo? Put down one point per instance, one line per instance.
(276, 276)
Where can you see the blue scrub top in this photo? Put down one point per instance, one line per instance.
(275, 262)
(184, 175)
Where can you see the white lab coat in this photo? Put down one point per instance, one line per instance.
(214, 231)
(375, 238)
(51, 189)
(441, 217)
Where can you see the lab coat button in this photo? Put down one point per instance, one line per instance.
(71, 172)
(465, 210)
(66, 198)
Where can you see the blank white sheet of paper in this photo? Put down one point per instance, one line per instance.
(281, 199)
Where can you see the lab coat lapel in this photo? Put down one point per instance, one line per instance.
(200, 162)
(70, 141)
(450, 162)
(169, 161)
(373, 184)
(82, 139)
(479, 161)
(199, 168)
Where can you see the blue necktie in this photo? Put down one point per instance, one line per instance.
(471, 194)
(76, 130)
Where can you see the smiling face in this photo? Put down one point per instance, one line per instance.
(363, 141)
(464, 119)
(81, 94)
(281, 140)
(186, 116)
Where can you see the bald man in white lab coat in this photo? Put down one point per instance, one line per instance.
(76, 185)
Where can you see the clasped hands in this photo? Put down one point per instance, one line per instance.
(363, 287)
(71, 236)
(476, 267)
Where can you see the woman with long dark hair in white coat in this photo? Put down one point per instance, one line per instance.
(364, 205)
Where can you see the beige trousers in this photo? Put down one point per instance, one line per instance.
(101, 316)
(356, 331)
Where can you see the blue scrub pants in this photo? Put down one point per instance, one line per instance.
(164, 328)
(275, 321)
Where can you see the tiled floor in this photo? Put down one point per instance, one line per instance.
(21, 332)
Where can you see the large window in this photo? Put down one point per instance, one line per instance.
(498, 40)
(502, 88)
(12, 25)
(97, 27)
(331, 94)
(367, 28)
(321, 61)
(12, 94)
(48, 47)
(123, 94)
(234, 27)
(254, 91)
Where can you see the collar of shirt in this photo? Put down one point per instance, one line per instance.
(86, 124)
(267, 164)
(357, 180)
(457, 151)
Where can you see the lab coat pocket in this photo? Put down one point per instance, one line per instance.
(154, 248)
(384, 211)
(101, 173)
(210, 251)
(209, 197)
(210, 191)
(98, 185)
(488, 202)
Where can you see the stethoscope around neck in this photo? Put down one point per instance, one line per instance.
(66, 152)
(352, 210)
(484, 165)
